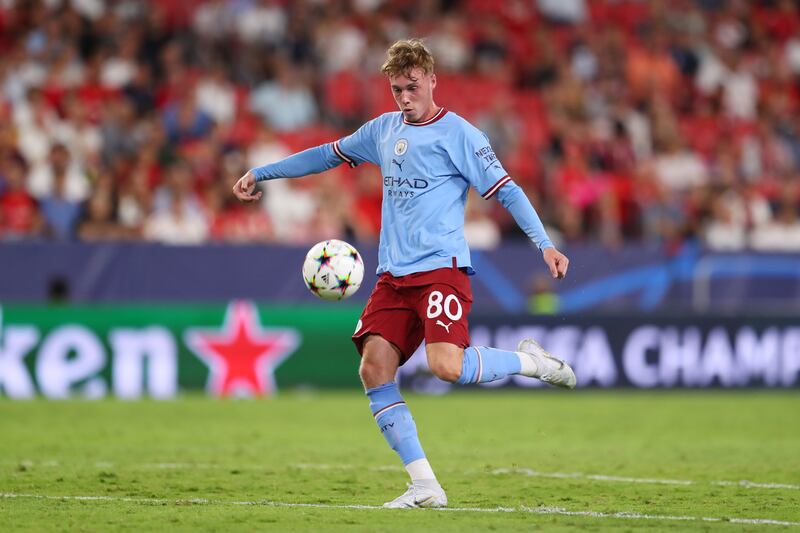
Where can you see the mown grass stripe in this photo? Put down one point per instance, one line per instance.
(533, 510)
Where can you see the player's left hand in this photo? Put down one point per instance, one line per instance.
(245, 188)
(556, 262)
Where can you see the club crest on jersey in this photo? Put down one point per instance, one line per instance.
(400, 147)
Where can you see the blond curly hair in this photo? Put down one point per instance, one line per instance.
(406, 55)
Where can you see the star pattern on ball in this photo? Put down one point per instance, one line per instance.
(312, 285)
(324, 258)
(343, 283)
(354, 255)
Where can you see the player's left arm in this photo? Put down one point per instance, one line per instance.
(517, 203)
(357, 148)
(476, 160)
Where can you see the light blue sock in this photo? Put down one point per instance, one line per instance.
(482, 364)
(395, 421)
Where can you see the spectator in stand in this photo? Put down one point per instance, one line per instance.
(139, 89)
(61, 172)
(340, 44)
(450, 45)
(266, 147)
(543, 300)
(135, 199)
(214, 20)
(178, 222)
(232, 221)
(678, 168)
(651, 67)
(117, 130)
(184, 121)
(291, 207)
(34, 119)
(490, 50)
(119, 69)
(724, 69)
(563, 11)
(502, 126)
(216, 95)
(724, 232)
(286, 102)
(782, 234)
(60, 213)
(19, 214)
(539, 65)
(480, 230)
(262, 22)
(662, 213)
(82, 137)
(99, 222)
(333, 217)
(703, 95)
(366, 203)
(178, 182)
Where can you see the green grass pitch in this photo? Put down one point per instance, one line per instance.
(537, 460)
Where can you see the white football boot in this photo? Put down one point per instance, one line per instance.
(546, 367)
(420, 494)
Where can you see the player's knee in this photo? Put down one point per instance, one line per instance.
(379, 362)
(370, 371)
(445, 363)
(445, 369)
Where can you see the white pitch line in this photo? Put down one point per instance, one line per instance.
(624, 479)
(597, 477)
(752, 485)
(179, 466)
(521, 509)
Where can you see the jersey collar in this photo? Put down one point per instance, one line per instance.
(439, 114)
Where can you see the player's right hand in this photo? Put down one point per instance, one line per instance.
(556, 262)
(245, 188)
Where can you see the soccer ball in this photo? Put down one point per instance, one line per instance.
(333, 270)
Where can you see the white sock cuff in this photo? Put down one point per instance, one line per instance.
(420, 469)
(527, 364)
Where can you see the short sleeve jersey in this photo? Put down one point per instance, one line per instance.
(427, 169)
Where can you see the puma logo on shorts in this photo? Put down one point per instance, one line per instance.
(445, 326)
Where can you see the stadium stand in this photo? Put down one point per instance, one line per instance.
(623, 120)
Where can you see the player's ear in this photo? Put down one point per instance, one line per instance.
(433, 81)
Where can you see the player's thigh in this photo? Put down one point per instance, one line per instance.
(388, 315)
(443, 309)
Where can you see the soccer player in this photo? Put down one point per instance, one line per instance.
(429, 157)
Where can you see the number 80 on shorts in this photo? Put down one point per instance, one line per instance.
(438, 304)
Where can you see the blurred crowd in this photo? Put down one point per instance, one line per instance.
(624, 120)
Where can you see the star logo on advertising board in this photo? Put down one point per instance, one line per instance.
(242, 356)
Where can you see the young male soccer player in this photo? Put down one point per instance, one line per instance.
(429, 157)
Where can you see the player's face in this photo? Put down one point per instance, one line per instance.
(413, 93)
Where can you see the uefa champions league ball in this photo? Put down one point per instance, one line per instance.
(333, 270)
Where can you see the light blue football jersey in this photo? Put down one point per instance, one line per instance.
(427, 170)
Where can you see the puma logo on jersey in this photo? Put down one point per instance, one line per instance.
(399, 163)
(445, 326)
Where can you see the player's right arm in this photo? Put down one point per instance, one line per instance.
(473, 156)
(353, 150)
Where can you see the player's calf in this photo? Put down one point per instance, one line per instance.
(482, 364)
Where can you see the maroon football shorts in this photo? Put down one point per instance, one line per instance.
(427, 305)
